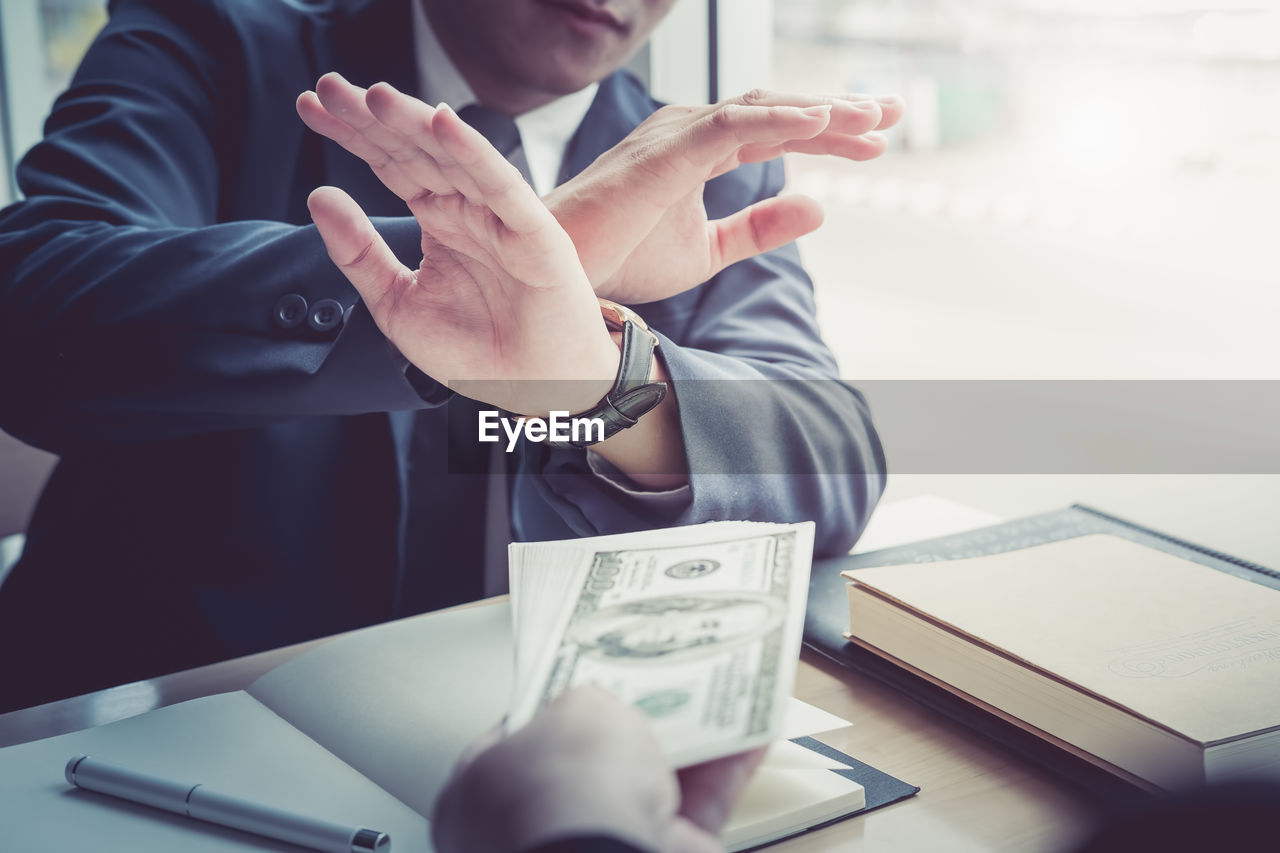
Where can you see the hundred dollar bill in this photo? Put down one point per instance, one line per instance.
(698, 627)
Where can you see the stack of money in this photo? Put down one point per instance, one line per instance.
(699, 627)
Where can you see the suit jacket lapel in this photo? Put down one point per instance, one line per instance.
(619, 105)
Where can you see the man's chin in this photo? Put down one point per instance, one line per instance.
(571, 76)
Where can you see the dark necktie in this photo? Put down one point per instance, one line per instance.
(501, 131)
(444, 548)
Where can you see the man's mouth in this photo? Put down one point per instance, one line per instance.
(589, 13)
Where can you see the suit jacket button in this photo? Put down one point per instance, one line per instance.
(290, 310)
(325, 315)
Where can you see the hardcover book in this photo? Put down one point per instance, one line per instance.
(1221, 752)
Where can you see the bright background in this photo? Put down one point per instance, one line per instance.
(1080, 189)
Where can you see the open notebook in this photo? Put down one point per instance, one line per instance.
(362, 730)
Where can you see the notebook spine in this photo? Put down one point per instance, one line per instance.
(1248, 565)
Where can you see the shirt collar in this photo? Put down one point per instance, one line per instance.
(560, 118)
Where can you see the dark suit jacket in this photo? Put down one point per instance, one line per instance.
(230, 484)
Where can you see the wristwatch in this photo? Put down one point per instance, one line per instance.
(632, 394)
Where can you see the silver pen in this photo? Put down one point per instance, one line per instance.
(197, 801)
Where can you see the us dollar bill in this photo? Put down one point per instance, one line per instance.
(701, 634)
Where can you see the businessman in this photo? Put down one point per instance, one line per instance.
(253, 455)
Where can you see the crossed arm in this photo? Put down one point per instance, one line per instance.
(505, 292)
(141, 271)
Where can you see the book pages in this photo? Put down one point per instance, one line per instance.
(1194, 650)
(401, 701)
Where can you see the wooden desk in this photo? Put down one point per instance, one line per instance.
(975, 796)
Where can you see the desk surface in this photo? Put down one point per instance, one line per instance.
(975, 795)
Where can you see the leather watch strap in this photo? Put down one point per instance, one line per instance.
(632, 394)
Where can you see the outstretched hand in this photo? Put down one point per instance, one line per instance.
(636, 215)
(500, 294)
(585, 765)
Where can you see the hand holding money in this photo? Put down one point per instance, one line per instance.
(698, 627)
(586, 765)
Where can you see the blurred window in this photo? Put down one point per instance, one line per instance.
(41, 43)
(1079, 188)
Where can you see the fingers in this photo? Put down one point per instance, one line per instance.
(315, 116)
(866, 146)
(763, 125)
(340, 111)
(490, 738)
(347, 102)
(891, 108)
(403, 114)
(729, 127)
(709, 791)
(492, 181)
(762, 227)
(420, 147)
(850, 112)
(684, 837)
(851, 132)
(417, 150)
(355, 246)
(411, 118)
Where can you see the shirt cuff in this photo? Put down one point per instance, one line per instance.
(592, 497)
(607, 471)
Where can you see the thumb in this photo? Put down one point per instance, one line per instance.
(709, 791)
(684, 836)
(355, 245)
(762, 227)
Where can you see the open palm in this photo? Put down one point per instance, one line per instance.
(660, 241)
(636, 214)
(499, 297)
